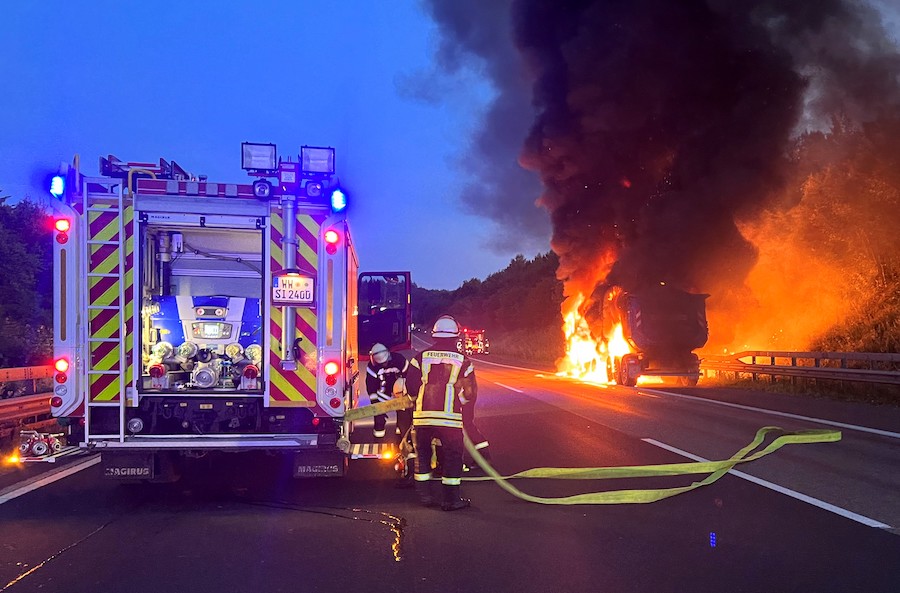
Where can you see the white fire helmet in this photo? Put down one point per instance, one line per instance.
(445, 327)
(380, 353)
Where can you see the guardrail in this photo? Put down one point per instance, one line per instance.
(860, 367)
(24, 411)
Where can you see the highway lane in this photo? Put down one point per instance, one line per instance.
(857, 474)
(245, 526)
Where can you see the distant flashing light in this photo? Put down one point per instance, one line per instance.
(338, 200)
(57, 186)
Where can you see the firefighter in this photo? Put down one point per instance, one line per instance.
(384, 379)
(439, 379)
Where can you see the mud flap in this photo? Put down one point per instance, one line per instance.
(144, 466)
(320, 464)
(129, 466)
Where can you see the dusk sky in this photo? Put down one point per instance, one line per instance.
(189, 81)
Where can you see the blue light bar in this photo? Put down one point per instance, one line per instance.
(338, 200)
(57, 186)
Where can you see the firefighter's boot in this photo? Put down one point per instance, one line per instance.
(425, 494)
(452, 500)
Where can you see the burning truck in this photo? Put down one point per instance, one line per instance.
(650, 331)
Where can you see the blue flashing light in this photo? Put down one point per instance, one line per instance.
(712, 539)
(57, 186)
(338, 200)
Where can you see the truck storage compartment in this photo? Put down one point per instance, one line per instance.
(201, 318)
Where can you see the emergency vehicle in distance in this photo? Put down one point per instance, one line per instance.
(194, 317)
(473, 341)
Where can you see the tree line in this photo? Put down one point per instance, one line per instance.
(26, 285)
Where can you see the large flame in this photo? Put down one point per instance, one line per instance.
(586, 358)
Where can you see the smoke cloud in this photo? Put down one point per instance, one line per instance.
(663, 129)
(477, 34)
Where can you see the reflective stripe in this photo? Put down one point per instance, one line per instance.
(424, 414)
(437, 422)
(371, 372)
(482, 445)
(469, 370)
(415, 363)
(451, 481)
(422, 477)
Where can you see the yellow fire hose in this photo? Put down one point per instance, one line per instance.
(716, 470)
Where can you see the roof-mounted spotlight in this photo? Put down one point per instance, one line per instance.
(262, 189)
(316, 161)
(258, 157)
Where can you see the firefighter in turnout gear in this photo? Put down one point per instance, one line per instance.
(384, 380)
(442, 382)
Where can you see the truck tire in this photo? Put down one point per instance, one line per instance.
(627, 379)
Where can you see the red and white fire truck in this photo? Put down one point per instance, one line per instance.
(195, 317)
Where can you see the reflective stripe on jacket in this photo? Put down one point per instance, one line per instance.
(437, 379)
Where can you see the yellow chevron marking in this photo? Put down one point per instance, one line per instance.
(282, 383)
(109, 361)
(306, 252)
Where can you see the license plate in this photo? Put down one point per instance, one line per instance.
(293, 289)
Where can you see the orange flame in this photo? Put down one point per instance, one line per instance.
(586, 358)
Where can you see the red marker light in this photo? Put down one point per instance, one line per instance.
(335, 402)
(316, 421)
(332, 237)
(62, 225)
(61, 365)
(61, 377)
(331, 368)
(55, 401)
(251, 371)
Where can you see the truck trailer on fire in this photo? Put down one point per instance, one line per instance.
(661, 325)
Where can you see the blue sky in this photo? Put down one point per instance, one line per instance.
(189, 81)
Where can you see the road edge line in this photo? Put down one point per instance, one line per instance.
(827, 506)
(508, 387)
(17, 490)
(876, 431)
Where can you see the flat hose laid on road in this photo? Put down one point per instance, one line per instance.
(716, 470)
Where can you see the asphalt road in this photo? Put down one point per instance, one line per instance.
(247, 526)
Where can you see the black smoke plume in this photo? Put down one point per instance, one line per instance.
(662, 124)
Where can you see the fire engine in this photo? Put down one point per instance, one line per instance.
(473, 341)
(195, 317)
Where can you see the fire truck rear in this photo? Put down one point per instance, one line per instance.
(197, 317)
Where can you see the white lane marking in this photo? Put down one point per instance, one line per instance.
(508, 387)
(16, 490)
(781, 489)
(884, 433)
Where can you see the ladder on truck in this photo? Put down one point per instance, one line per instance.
(108, 303)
